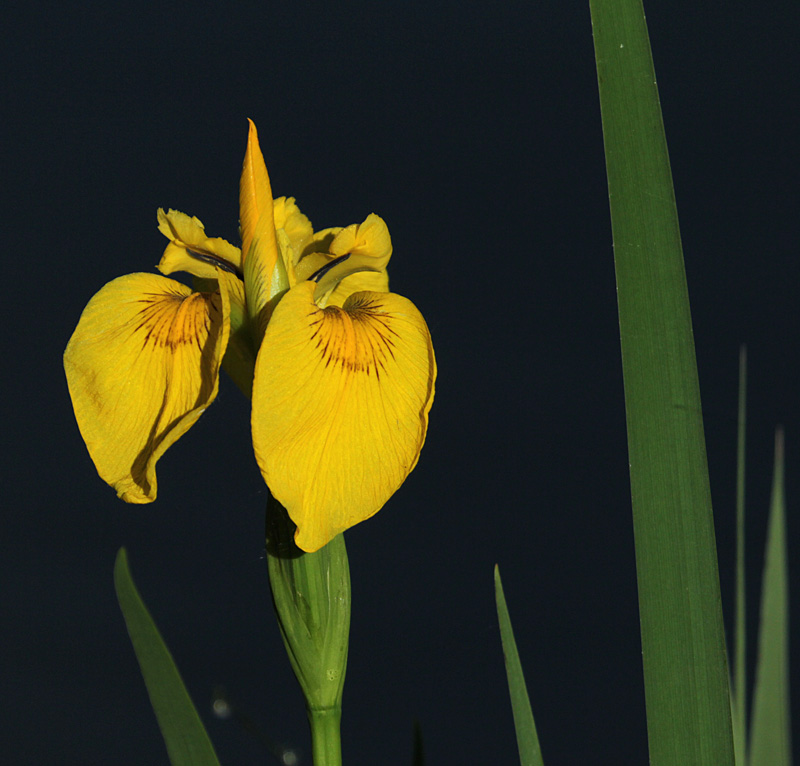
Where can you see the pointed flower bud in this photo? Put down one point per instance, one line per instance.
(311, 593)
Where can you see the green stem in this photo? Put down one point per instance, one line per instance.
(311, 595)
(326, 743)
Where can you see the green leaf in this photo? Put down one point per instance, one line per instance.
(683, 647)
(527, 740)
(770, 733)
(739, 686)
(186, 740)
(418, 753)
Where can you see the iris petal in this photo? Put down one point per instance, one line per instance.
(340, 406)
(369, 247)
(191, 250)
(297, 226)
(142, 366)
(256, 216)
(373, 281)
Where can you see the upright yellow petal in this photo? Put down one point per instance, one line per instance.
(340, 406)
(296, 225)
(142, 366)
(256, 217)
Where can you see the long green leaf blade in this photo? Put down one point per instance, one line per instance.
(739, 687)
(770, 734)
(184, 735)
(530, 753)
(683, 648)
(418, 752)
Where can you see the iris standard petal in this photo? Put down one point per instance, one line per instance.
(296, 225)
(142, 365)
(256, 217)
(340, 406)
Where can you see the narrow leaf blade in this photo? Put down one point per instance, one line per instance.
(739, 687)
(184, 735)
(418, 753)
(683, 646)
(530, 753)
(770, 733)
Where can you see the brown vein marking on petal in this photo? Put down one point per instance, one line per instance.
(172, 320)
(357, 337)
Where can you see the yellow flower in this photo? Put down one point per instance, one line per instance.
(341, 371)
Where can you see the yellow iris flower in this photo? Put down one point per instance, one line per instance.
(341, 371)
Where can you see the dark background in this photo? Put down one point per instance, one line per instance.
(474, 130)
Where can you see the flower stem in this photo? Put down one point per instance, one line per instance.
(326, 743)
(311, 596)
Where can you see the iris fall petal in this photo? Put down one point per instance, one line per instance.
(142, 366)
(340, 406)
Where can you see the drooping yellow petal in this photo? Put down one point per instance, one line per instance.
(190, 250)
(142, 365)
(256, 218)
(340, 406)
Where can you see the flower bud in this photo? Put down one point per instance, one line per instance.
(311, 595)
